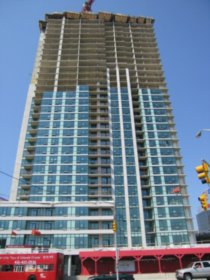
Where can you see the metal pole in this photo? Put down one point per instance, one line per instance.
(114, 227)
(116, 257)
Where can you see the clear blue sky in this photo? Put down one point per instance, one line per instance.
(183, 33)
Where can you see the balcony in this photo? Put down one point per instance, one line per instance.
(31, 149)
(32, 140)
(28, 166)
(35, 116)
(33, 132)
(25, 187)
(29, 156)
(26, 174)
(24, 197)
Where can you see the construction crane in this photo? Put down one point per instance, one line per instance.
(87, 6)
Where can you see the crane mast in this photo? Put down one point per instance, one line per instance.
(87, 6)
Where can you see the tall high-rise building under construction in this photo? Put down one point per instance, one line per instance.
(98, 142)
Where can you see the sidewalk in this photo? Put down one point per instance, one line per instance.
(144, 276)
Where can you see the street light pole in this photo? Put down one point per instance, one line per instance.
(199, 133)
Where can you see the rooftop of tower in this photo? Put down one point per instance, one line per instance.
(105, 16)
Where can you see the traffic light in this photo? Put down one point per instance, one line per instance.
(114, 226)
(203, 198)
(203, 172)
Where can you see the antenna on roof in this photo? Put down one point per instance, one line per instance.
(87, 6)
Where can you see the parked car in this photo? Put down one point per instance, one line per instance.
(112, 277)
(199, 269)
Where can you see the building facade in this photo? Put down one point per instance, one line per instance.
(203, 221)
(98, 142)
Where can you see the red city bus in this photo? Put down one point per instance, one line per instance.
(40, 266)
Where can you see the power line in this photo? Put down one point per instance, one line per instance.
(8, 175)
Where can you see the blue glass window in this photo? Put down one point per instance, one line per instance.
(155, 160)
(131, 170)
(82, 179)
(147, 111)
(150, 126)
(46, 102)
(68, 132)
(59, 94)
(161, 119)
(153, 152)
(165, 143)
(119, 180)
(131, 180)
(157, 180)
(175, 200)
(145, 97)
(53, 159)
(64, 189)
(178, 224)
(162, 126)
(117, 160)
(127, 118)
(114, 110)
(6, 211)
(155, 91)
(157, 98)
(116, 134)
(156, 170)
(50, 189)
(83, 109)
(54, 141)
(128, 134)
(60, 211)
(166, 151)
(159, 200)
(51, 179)
(171, 179)
(163, 225)
(37, 179)
(66, 169)
(58, 102)
(83, 88)
(82, 169)
(164, 135)
(170, 170)
(67, 150)
(115, 126)
(158, 104)
(146, 104)
(159, 111)
(158, 190)
(54, 150)
(168, 160)
(82, 159)
(82, 132)
(47, 95)
(67, 141)
(69, 101)
(69, 108)
(68, 116)
(55, 132)
(161, 212)
(44, 124)
(68, 124)
(82, 150)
